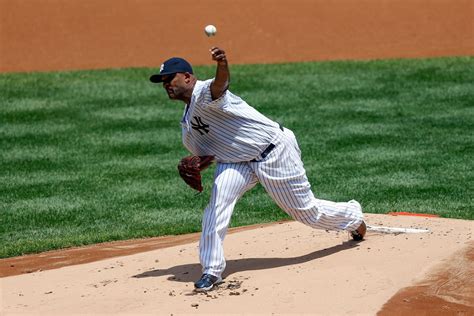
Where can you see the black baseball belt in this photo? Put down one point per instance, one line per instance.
(267, 150)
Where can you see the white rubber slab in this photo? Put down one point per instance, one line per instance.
(395, 230)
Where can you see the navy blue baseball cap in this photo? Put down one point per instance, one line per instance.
(172, 66)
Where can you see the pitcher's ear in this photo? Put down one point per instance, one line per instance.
(187, 77)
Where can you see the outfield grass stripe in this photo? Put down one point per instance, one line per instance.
(90, 156)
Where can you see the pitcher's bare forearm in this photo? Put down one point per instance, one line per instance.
(222, 79)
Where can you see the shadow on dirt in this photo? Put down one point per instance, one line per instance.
(191, 272)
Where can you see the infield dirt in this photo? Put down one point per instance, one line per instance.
(284, 268)
(87, 34)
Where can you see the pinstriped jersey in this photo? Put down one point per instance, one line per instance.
(227, 128)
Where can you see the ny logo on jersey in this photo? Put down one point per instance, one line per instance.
(200, 126)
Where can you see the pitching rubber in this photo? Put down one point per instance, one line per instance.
(396, 230)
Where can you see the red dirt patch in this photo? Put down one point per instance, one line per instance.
(79, 255)
(447, 291)
(412, 214)
(76, 34)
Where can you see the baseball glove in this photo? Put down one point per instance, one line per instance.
(190, 168)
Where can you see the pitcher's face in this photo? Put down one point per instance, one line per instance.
(177, 85)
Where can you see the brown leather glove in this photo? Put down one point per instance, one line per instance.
(190, 168)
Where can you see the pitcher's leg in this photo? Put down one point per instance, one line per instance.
(284, 178)
(339, 215)
(231, 181)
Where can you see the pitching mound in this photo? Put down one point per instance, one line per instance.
(283, 268)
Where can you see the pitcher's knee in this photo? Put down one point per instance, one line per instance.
(308, 217)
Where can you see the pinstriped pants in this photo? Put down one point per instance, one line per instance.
(282, 175)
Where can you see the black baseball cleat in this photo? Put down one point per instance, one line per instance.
(359, 233)
(206, 282)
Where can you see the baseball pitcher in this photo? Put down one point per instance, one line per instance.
(248, 148)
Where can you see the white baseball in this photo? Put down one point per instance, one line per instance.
(210, 30)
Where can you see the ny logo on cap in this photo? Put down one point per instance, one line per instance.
(162, 67)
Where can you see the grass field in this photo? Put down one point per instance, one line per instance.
(90, 156)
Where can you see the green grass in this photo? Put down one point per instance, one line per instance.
(90, 156)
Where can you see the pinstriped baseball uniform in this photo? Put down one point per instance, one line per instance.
(250, 148)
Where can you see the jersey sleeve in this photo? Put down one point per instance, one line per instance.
(204, 98)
